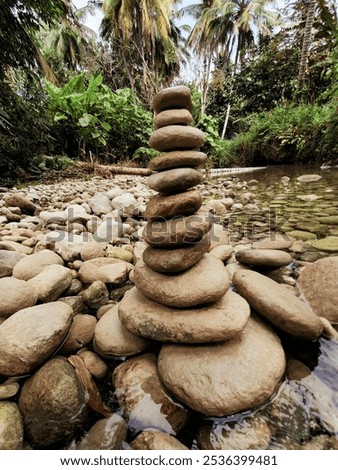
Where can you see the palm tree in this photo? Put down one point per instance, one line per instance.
(310, 16)
(228, 27)
(144, 34)
(70, 38)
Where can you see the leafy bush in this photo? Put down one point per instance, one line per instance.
(288, 134)
(90, 117)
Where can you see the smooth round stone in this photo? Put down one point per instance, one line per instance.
(53, 404)
(173, 205)
(105, 434)
(8, 389)
(308, 178)
(225, 378)
(8, 260)
(178, 159)
(80, 334)
(176, 138)
(218, 321)
(15, 295)
(112, 339)
(301, 235)
(51, 282)
(96, 366)
(19, 200)
(171, 117)
(206, 281)
(177, 231)
(11, 429)
(30, 336)
(32, 265)
(175, 260)
(248, 433)
(144, 400)
(107, 270)
(264, 258)
(175, 181)
(318, 282)
(277, 304)
(173, 98)
(152, 439)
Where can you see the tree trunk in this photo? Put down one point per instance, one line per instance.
(227, 115)
(306, 42)
(205, 82)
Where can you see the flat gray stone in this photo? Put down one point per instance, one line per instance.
(175, 260)
(213, 322)
(277, 304)
(178, 159)
(176, 138)
(228, 377)
(175, 181)
(207, 281)
(173, 205)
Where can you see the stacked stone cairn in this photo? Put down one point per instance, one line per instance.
(216, 358)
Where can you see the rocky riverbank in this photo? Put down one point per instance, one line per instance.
(77, 370)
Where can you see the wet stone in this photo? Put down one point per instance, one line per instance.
(144, 400)
(105, 434)
(153, 439)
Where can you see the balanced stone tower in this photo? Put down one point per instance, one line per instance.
(214, 356)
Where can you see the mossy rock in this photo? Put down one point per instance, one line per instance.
(329, 244)
(329, 220)
(301, 235)
(313, 227)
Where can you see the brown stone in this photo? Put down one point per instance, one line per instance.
(19, 200)
(264, 258)
(53, 404)
(171, 117)
(176, 138)
(319, 284)
(152, 439)
(206, 281)
(175, 260)
(218, 321)
(178, 159)
(15, 295)
(30, 336)
(177, 231)
(112, 339)
(175, 181)
(225, 378)
(276, 303)
(248, 433)
(105, 434)
(173, 98)
(80, 334)
(143, 398)
(169, 206)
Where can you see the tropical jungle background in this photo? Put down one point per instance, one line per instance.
(263, 76)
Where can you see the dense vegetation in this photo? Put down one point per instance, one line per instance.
(264, 87)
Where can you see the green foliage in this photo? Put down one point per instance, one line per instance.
(288, 134)
(56, 163)
(99, 120)
(24, 134)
